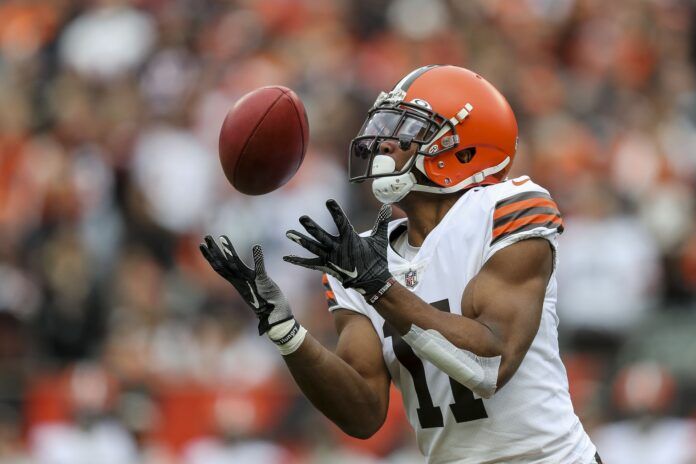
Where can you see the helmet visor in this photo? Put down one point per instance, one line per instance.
(397, 125)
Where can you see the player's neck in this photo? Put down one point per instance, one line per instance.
(424, 212)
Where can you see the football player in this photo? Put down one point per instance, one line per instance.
(455, 304)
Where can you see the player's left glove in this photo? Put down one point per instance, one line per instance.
(258, 290)
(357, 262)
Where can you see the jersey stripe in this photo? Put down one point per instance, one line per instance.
(512, 226)
(525, 211)
(522, 196)
(525, 228)
(517, 206)
(328, 292)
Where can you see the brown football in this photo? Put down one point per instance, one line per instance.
(263, 140)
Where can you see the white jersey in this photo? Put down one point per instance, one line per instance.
(531, 419)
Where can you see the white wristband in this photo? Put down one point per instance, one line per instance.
(287, 336)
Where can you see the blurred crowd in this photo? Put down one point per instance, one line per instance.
(119, 346)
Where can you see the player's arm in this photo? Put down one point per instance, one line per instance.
(351, 386)
(504, 302)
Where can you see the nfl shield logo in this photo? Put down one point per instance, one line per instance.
(411, 278)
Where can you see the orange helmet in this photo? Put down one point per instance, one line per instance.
(465, 131)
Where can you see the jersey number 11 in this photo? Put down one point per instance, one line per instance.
(465, 407)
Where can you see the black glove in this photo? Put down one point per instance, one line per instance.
(257, 289)
(357, 262)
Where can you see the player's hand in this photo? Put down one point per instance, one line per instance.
(256, 288)
(357, 262)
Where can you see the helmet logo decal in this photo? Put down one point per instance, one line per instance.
(393, 97)
(421, 103)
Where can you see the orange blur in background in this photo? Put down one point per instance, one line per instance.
(119, 345)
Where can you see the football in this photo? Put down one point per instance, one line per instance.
(263, 140)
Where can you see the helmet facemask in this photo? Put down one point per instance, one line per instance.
(405, 124)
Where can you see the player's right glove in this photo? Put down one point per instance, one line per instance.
(358, 262)
(258, 290)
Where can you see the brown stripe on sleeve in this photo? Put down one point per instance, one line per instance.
(520, 197)
(525, 211)
(527, 203)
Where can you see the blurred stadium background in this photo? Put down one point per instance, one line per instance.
(119, 345)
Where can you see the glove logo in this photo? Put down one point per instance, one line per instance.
(254, 301)
(350, 274)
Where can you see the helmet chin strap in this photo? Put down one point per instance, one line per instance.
(474, 179)
(392, 189)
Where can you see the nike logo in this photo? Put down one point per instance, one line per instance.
(255, 301)
(352, 275)
(520, 182)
